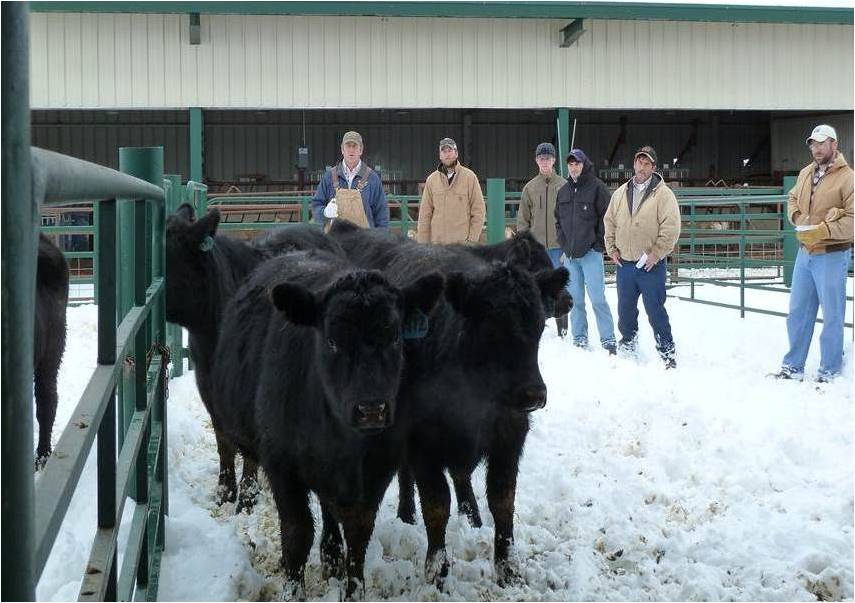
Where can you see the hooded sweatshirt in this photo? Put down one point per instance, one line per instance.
(579, 213)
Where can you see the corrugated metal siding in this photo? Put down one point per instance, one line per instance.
(789, 153)
(97, 135)
(146, 61)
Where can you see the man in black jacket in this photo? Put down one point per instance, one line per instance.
(579, 211)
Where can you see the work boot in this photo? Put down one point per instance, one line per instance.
(611, 348)
(628, 346)
(789, 374)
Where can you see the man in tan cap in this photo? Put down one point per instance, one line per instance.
(351, 190)
(452, 208)
(820, 207)
(642, 225)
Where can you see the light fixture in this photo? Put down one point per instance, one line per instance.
(195, 29)
(571, 33)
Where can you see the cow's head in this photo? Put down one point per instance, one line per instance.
(358, 339)
(504, 321)
(189, 243)
(555, 303)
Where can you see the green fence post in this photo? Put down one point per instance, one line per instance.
(105, 283)
(562, 137)
(405, 217)
(19, 240)
(790, 243)
(495, 210)
(196, 145)
(95, 263)
(174, 337)
(305, 210)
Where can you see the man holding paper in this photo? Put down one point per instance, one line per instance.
(820, 207)
(642, 225)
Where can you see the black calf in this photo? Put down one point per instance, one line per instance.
(49, 339)
(308, 367)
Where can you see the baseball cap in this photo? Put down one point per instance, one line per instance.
(821, 133)
(352, 137)
(447, 142)
(647, 151)
(545, 148)
(577, 155)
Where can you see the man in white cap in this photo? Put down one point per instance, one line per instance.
(350, 190)
(452, 208)
(820, 207)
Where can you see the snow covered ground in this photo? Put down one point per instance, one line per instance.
(711, 482)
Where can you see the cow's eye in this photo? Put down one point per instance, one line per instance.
(332, 345)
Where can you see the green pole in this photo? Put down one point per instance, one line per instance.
(19, 242)
(196, 144)
(495, 210)
(791, 244)
(562, 135)
(173, 331)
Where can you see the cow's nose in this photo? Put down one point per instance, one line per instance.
(534, 397)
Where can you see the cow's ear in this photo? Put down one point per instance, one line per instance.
(207, 225)
(519, 254)
(459, 293)
(298, 304)
(423, 294)
(552, 281)
(186, 212)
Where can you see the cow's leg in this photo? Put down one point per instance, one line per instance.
(358, 522)
(406, 495)
(248, 485)
(46, 402)
(332, 560)
(466, 503)
(227, 481)
(436, 508)
(296, 527)
(502, 468)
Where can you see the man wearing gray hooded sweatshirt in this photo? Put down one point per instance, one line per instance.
(582, 203)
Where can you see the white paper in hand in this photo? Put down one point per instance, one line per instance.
(640, 263)
(331, 209)
(805, 227)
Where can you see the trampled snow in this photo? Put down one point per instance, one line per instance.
(709, 482)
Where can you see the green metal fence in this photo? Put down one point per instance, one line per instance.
(130, 427)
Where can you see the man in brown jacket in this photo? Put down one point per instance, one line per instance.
(642, 225)
(537, 209)
(820, 207)
(452, 208)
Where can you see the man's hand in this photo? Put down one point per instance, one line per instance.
(652, 260)
(811, 237)
(616, 257)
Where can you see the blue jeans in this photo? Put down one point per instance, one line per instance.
(632, 282)
(818, 281)
(587, 273)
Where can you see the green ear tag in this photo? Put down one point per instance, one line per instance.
(207, 243)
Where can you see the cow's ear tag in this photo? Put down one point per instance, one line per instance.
(207, 243)
(416, 325)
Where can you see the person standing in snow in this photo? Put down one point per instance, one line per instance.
(820, 207)
(537, 207)
(642, 225)
(582, 203)
(351, 190)
(452, 208)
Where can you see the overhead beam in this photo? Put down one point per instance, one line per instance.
(653, 11)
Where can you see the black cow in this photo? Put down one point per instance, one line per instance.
(307, 372)
(203, 270)
(556, 306)
(472, 380)
(49, 340)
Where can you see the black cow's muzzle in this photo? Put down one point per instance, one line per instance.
(533, 398)
(372, 416)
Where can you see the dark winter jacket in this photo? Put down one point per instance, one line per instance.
(579, 213)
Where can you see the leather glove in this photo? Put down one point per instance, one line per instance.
(811, 237)
(331, 209)
(834, 214)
